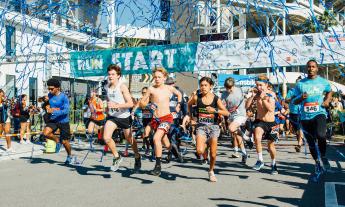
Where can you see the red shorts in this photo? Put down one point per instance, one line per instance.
(162, 123)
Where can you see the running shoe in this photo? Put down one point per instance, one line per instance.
(69, 160)
(250, 144)
(258, 165)
(244, 158)
(274, 169)
(22, 142)
(137, 163)
(235, 155)
(28, 141)
(298, 148)
(116, 163)
(204, 162)
(325, 163)
(10, 150)
(157, 170)
(58, 147)
(212, 177)
(147, 152)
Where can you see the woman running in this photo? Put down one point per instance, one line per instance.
(208, 107)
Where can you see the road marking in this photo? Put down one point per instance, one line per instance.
(331, 194)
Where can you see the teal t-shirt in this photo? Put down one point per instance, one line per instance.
(294, 109)
(316, 89)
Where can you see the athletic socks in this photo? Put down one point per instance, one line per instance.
(260, 156)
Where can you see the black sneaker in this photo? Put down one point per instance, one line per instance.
(168, 157)
(298, 148)
(274, 169)
(258, 165)
(325, 163)
(204, 162)
(244, 158)
(137, 163)
(157, 170)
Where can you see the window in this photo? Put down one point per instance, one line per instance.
(10, 41)
(69, 45)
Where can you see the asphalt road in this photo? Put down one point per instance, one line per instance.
(45, 181)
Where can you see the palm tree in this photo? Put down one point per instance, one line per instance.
(320, 24)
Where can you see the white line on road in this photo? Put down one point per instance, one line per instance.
(331, 194)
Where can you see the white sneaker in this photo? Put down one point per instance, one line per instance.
(22, 142)
(212, 177)
(10, 150)
(28, 141)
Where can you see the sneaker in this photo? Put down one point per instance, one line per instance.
(147, 152)
(10, 150)
(212, 177)
(318, 168)
(258, 165)
(137, 163)
(22, 142)
(116, 163)
(244, 158)
(168, 157)
(69, 160)
(298, 148)
(204, 162)
(58, 147)
(274, 169)
(250, 144)
(235, 155)
(157, 170)
(325, 163)
(28, 141)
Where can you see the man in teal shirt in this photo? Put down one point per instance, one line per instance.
(314, 94)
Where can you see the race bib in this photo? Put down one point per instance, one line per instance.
(275, 129)
(311, 107)
(165, 126)
(173, 103)
(175, 115)
(206, 118)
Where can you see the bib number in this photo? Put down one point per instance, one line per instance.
(311, 107)
(175, 115)
(165, 126)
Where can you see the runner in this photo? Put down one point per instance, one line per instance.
(159, 95)
(233, 99)
(209, 107)
(5, 121)
(295, 116)
(265, 126)
(25, 128)
(58, 109)
(314, 94)
(146, 115)
(118, 105)
(97, 118)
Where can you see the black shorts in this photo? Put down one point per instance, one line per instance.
(65, 130)
(295, 121)
(271, 129)
(146, 121)
(122, 123)
(23, 119)
(98, 123)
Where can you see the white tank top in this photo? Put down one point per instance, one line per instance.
(115, 95)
